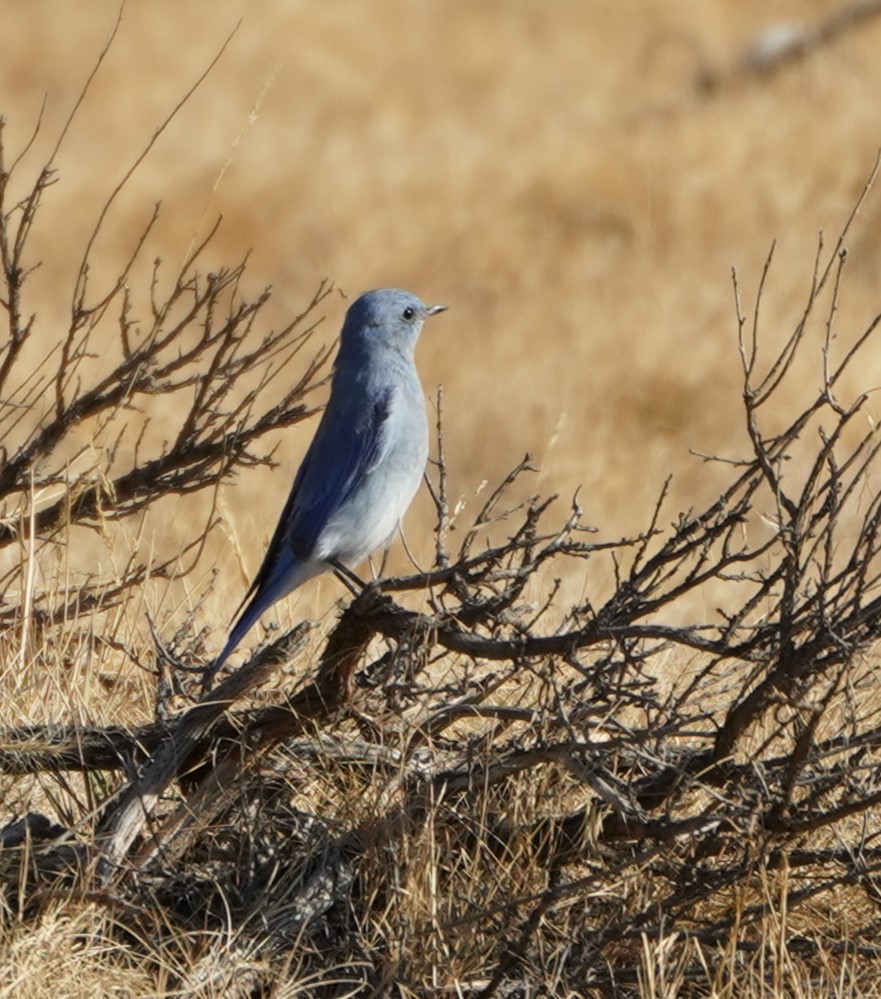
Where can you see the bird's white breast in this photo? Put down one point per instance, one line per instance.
(371, 515)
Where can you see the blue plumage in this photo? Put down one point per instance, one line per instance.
(365, 462)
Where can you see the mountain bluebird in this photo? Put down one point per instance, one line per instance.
(365, 462)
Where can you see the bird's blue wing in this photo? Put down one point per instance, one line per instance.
(343, 450)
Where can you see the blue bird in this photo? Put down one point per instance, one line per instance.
(364, 464)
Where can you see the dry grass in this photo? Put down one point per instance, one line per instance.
(564, 179)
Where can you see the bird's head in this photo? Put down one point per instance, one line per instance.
(386, 318)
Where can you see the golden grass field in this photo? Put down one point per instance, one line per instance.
(558, 179)
(559, 174)
(554, 177)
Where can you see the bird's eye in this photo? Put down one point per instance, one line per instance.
(409, 313)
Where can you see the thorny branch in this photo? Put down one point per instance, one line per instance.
(200, 346)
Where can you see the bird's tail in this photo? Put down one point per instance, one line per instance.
(282, 581)
(243, 625)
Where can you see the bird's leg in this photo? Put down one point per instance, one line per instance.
(410, 554)
(353, 582)
(380, 572)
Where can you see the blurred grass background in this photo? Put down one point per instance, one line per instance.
(559, 174)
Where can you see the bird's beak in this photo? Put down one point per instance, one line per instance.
(433, 310)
